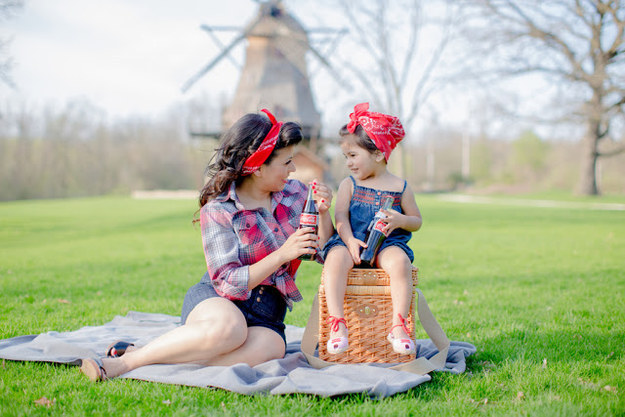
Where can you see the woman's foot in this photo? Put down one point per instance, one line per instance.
(93, 369)
(104, 368)
(399, 338)
(117, 349)
(338, 342)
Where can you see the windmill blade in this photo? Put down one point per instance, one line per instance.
(221, 28)
(212, 63)
(339, 33)
(218, 58)
(343, 83)
(211, 32)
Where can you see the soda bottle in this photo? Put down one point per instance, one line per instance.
(309, 218)
(376, 236)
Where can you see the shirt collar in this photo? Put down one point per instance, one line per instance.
(276, 199)
(231, 194)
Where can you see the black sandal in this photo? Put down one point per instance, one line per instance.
(117, 349)
(93, 369)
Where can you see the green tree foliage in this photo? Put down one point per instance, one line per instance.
(529, 157)
(74, 152)
(578, 46)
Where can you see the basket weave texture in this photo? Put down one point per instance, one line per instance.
(369, 314)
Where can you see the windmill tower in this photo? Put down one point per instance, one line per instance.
(275, 74)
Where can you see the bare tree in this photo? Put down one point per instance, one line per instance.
(7, 10)
(576, 44)
(395, 48)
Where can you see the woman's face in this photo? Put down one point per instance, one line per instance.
(275, 174)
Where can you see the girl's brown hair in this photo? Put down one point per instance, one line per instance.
(362, 139)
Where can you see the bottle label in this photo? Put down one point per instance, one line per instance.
(308, 220)
(379, 226)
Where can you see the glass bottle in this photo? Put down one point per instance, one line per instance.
(309, 218)
(376, 236)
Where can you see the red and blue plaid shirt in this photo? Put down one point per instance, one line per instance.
(235, 238)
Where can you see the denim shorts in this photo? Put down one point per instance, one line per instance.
(266, 306)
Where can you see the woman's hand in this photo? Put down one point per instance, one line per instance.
(303, 242)
(354, 245)
(322, 195)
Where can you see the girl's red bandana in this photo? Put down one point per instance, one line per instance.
(261, 154)
(385, 131)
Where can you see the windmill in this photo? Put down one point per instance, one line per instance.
(275, 74)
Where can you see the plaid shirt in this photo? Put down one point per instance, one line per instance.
(235, 238)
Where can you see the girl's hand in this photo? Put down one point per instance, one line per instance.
(322, 195)
(393, 220)
(302, 242)
(354, 245)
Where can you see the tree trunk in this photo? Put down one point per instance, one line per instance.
(588, 179)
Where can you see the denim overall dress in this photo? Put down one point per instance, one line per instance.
(364, 204)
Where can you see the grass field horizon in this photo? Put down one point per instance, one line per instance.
(538, 290)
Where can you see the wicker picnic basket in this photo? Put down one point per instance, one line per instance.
(369, 315)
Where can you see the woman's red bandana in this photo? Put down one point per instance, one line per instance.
(385, 131)
(261, 154)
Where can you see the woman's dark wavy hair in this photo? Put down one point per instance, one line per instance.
(362, 139)
(237, 144)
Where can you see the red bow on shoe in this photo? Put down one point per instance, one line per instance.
(334, 323)
(403, 324)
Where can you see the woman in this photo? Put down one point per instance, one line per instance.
(249, 218)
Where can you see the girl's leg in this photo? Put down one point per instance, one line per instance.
(397, 265)
(337, 264)
(214, 328)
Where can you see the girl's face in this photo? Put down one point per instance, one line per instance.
(360, 161)
(274, 175)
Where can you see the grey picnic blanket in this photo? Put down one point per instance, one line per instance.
(292, 374)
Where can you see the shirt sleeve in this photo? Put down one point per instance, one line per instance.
(221, 250)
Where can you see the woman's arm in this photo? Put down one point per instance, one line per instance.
(229, 276)
(299, 243)
(221, 250)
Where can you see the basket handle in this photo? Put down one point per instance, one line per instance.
(420, 366)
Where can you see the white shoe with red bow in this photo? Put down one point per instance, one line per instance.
(338, 344)
(403, 346)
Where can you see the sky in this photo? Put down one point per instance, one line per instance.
(131, 57)
(126, 56)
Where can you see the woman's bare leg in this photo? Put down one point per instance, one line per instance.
(214, 327)
(262, 345)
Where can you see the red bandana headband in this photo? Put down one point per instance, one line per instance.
(261, 154)
(385, 131)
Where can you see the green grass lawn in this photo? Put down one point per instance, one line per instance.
(539, 291)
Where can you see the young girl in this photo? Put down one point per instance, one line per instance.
(367, 141)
